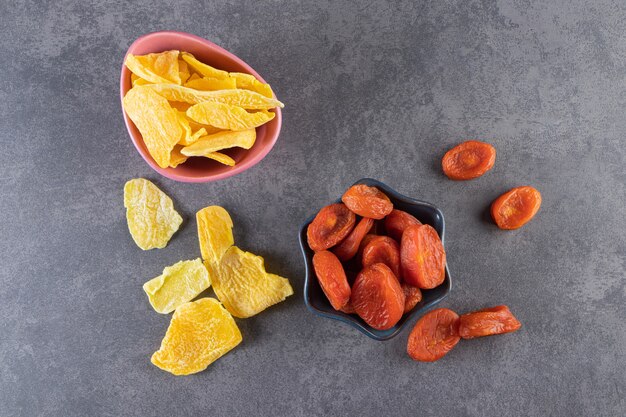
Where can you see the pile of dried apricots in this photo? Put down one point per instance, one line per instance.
(408, 257)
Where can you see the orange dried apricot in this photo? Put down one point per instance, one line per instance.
(332, 278)
(468, 160)
(487, 322)
(367, 201)
(434, 335)
(382, 249)
(422, 257)
(350, 245)
(331, 225)
(412, 296)
(516, 207)
(397, 221)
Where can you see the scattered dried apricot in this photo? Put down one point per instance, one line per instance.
(377, 297)
(468, 160)
(516, 207)
(331, 225)
(434, 335)
(332, 278)
(397, 221)
(350, 245)
(412, 296)
(367, 201)
(422, 257)
(487, 322)
(383, 249)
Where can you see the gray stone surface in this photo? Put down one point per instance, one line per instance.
(378, 89)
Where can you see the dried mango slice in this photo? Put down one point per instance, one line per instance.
(227, 117)
(183, 71)
(235, 97)
(188, 137)
(202, 68)
(212, 84)
(150, 214)
(218, 141)
(244, 287)
(137, 80)
(177, 158)
(178, 284)
(222, 158)
(249, 82)
(156, 68)
(199, 333)
(215, 233)
(157, 121)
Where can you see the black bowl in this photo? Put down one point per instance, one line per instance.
(317, 302)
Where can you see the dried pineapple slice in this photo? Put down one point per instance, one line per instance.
(177, 158)
(202, 68)
(246, 99)
(215, 234)
(156, 120)
(150, 214)
(177, 285)
(218, 141)
(212, 84)
(227, 117)
(249, 82)
(244, 287)
(156, 68)
(199, 333)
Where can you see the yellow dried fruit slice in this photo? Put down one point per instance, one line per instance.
(212, 84)
(177, 158)
(246, 99)
(150, 214)
(183, 71)
(200, 333)
(249, 82)
(202, 68)
(215, 233)
(195, 126)
(156, 120)
(244, 287)
(188, 136)
(227, 117)
(177, 285)
(156, 68)
(137, 80)
(222, 140)
(222, 158)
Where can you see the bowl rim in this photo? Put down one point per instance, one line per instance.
(171, 173)
(380, 335)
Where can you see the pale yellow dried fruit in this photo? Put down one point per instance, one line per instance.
(188, 136)
(245, 99)
(244, 287)
(222, 140)
(137, 80)
(222, 158)
(150, 214)
(200, 333)
(156, 120)
(156, 68)
(204, 69)
(183, 71)
(227, 117)
(177, 158)
(178, 284)
(249, 82)
(211, 84)
(215, 233)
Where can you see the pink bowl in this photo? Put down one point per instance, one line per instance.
(199, 169)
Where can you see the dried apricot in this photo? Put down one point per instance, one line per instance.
(331, 225)
(367, 201)
(434, 335)
(348, 308)
(468, 160)
(383, 249)
(397, 221)
(350, 245)
(487, 322)
(377, 297)
(332, 278)
(412, 296)
(516, 207)
(422, 257)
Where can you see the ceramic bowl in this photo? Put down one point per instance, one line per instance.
(317, 302)
(200, 169)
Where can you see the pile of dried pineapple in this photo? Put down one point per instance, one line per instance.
(200, 331)
(183, 107)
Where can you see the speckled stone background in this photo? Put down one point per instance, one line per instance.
(379, 89)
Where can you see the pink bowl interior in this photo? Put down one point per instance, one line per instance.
(200, 169)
